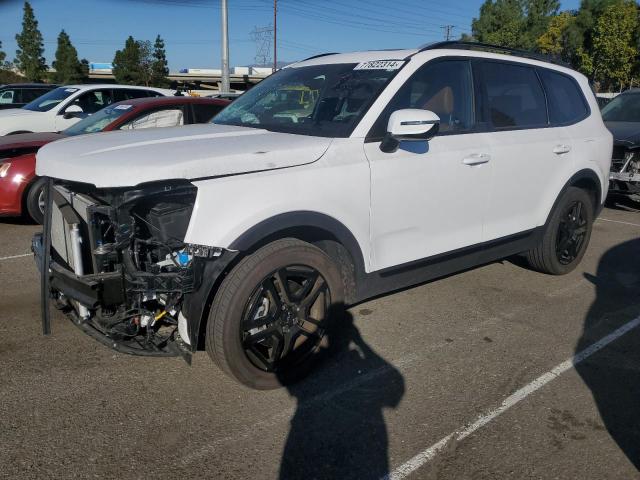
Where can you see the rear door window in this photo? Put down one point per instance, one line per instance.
(513, 96)
(129, 94)
(566, 103)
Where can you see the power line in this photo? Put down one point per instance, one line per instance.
(381, 27)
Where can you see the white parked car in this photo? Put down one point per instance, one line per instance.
(249, 236)
(60, 108)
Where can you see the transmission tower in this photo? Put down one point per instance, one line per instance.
(448, 29)
(262, 36)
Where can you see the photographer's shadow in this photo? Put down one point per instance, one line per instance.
(338, 430)
(613, 373)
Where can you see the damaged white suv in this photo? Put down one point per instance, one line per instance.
(334, 180)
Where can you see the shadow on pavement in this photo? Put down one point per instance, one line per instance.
(613, 373)
(17, 221)
(624, 202)
(338, 430)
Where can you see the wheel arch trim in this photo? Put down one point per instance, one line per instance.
(585, 174)
(284, 222)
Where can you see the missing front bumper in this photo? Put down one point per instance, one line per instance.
(91, 292)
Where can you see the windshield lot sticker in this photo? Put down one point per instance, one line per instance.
(380, 65)
(70, 90)
(123, 107)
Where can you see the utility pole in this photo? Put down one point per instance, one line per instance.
(448, 29)
(275, 35)
(225, 85)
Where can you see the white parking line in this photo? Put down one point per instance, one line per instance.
(426, 455)
(618, 221)
(16, 256)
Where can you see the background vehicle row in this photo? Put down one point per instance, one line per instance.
(20, 191)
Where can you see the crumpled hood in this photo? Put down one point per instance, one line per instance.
(627, 133)
(123, 159)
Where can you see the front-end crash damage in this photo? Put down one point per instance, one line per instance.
(120, 266)
(624, 176)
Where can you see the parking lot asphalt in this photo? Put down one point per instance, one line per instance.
(462, 378)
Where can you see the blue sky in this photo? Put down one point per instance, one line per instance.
(191, 28)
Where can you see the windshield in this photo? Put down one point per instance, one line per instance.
(623, 108)
(50, 99)
(99, 120)
(322, 100)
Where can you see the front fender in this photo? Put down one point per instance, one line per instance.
(236, 212)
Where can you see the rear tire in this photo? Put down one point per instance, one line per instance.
(35, 201)
(269, 319)
(567, 235)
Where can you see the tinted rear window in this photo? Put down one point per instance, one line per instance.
(514, 96)
(565, 100)
(204, 113)
(30, 94)
(129, 94)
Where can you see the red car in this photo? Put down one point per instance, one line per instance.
(20, 189)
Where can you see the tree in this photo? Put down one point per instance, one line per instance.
(615, 50)
(538, 15)
(555, 41)
(141, 63)
(2, 56)
(127, 64)
(513, 23)
(501, 22)
(29, 57)
(159, 66)
(68, 68)
(146, 61)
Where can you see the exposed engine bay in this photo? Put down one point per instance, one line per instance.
(119, 264)
(624, 176)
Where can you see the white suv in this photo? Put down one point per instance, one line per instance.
(336, 179)
(60, 108)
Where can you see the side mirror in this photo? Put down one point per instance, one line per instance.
(73, 111)
(410, 124)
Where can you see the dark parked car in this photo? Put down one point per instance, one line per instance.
(20, 189)
(622, 118)
(17, 95)
(603, 101)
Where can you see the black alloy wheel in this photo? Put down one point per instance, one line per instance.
(285, 318)
(572, 231)
(566, 236)
(273, 315)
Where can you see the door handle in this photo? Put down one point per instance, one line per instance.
(560, 149)
(476, 159)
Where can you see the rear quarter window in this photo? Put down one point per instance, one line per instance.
(513, 96)
(565, 100)
(205, 113)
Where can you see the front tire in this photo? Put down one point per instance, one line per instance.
(567, 235)
(269, 319)
(35, 200)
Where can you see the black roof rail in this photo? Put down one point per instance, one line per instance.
(487, 47)
(317, 56)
